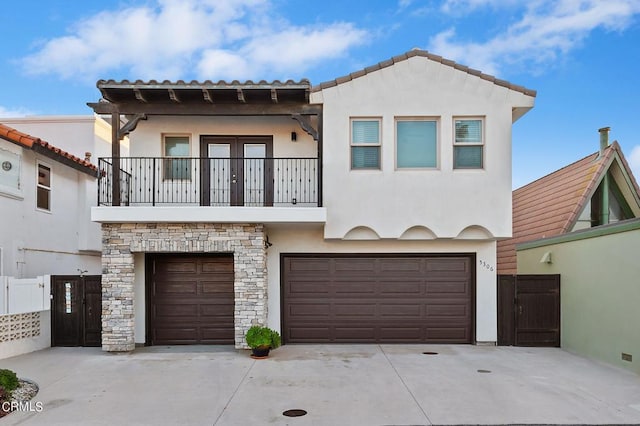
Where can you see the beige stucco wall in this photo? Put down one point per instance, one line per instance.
(444, 201)
(599, 294)
(146, 140)
(310, 239)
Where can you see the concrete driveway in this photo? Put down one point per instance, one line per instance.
(335, 384)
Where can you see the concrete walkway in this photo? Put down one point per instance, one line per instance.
(335, 384)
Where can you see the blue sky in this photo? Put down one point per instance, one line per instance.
(582, 56)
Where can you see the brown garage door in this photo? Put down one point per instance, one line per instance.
(386, 299)
(191, 299)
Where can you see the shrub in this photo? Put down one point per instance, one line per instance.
(258, 336)
(8, 380)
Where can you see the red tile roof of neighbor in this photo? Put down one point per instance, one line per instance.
(550, 205)
(43, 147)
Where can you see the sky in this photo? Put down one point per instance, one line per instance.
(581, 56)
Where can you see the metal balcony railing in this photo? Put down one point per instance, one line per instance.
(162, 181)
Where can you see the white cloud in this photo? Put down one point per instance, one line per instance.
(546, 30)
(14, 112)
(461, 7)
(203, 39)
(634, 162)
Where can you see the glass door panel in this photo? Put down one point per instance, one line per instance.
(220, 178)
(253, 171)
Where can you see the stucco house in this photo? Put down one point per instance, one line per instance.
(45, 197)
(364, 209)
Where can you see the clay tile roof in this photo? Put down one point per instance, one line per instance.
(550, 205)
(43, 147)
(428, 55)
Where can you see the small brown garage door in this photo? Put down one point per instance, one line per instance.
(191, 299)
(386, 299)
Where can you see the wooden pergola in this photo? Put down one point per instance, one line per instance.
(129, 102)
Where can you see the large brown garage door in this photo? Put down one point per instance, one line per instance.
(190, 299)
(382, 299)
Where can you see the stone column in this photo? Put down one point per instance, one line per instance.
(117, 291)
(250, 264)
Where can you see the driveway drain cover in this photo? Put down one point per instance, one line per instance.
(484, 371)
(294, 413)
(430, 353)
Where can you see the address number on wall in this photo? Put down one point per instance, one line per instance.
(486, 265)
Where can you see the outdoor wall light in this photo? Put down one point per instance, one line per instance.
(546, 258)
(294, 136)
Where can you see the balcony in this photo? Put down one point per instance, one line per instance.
(276, 190)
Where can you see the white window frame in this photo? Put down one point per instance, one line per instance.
(364, 145)
(170, 158)
(480, 144)
(49, 188)
(424, 118)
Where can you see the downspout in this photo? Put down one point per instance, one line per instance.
(604, 143)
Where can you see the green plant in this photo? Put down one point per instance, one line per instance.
(8, 380)
(262, 337)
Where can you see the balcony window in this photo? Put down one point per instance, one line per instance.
(177, 168)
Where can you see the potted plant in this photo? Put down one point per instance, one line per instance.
(261, 340)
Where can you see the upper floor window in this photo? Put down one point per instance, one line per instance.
(468, 147)
(10, 173)
(177, 168)
(365, 143)
(416, 143)
(43, 189)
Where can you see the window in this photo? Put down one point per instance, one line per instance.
(468, 144)
(365, 143)
(10, 173)
(43, 195)
(416, 144)
(177, 168)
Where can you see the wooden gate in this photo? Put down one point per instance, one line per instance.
(76, 310)
(529, 310)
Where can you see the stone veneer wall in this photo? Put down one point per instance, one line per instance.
(121, 240)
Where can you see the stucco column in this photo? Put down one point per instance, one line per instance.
(117, 291)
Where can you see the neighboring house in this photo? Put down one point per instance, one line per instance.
(596, 190)
(600, 289)
(365, 209)
(44, 197)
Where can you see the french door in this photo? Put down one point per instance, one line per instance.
(237, 170)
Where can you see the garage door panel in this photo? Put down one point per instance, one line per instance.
(223, 286)
(400, 265)
(354, 266)
(377, 299)
(176, 287)
(405, 310)
(177, 266)
(192, 300)
(401, 289)
(302, 310)
(448, 310)
(435, 288)
(346, 288)
(302, 265)
(448, 265)
(353, 309)
(217, 266)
